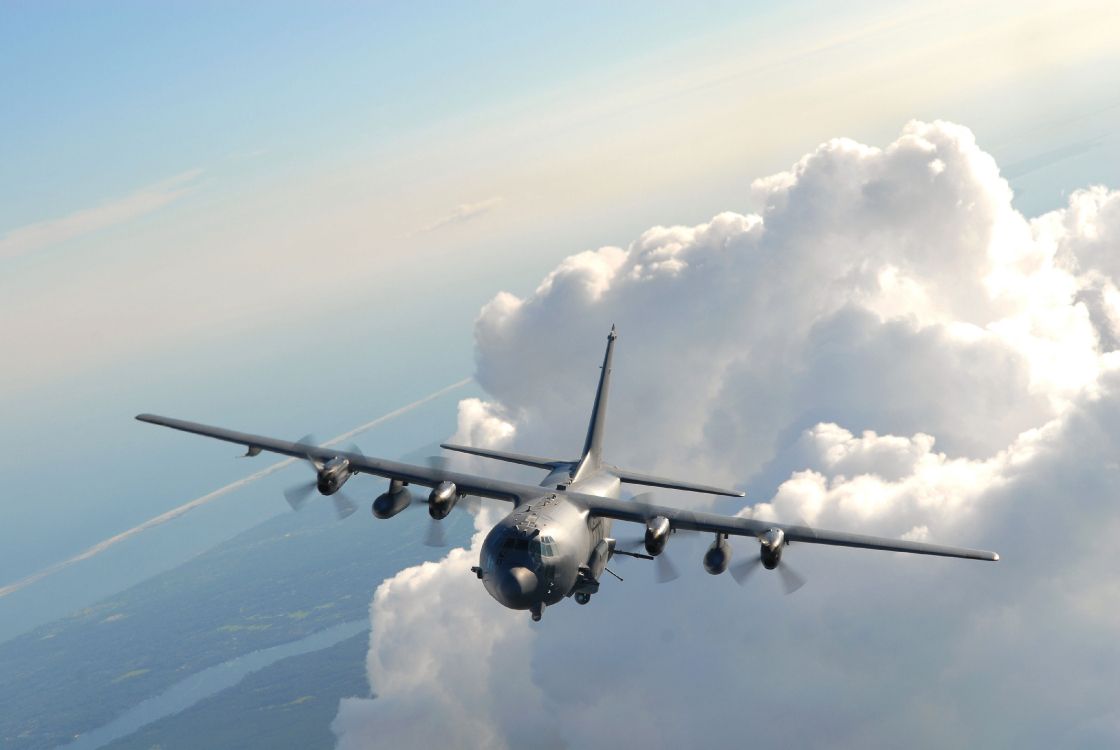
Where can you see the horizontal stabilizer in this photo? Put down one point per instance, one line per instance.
(513, 458)
(633, 477)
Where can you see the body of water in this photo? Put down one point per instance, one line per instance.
(208, 682)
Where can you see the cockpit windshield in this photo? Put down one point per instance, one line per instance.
(542, 546)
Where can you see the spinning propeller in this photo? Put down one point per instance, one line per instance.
(770, 557)
(743, 570)
(435, 536)
(442, 499)
(653, 542)
(329, 478)
(470, 503)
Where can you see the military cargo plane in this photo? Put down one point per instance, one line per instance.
(557, 540)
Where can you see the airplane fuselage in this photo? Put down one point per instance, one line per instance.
(557, 541)
(549, 548)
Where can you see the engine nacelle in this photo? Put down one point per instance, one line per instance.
(718, 556)
(332, 475)
(442, 500)
(392, 502)
(657, 533)
(771, 551)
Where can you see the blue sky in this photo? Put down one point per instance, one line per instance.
(103, 102)
(286, 217)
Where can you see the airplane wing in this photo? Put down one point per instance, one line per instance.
(633, 477)
(467, 484)
(548, 464)
(624, 510)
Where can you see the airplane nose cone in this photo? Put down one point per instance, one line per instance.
(518, 587)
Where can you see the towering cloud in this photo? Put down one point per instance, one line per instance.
(887, 346)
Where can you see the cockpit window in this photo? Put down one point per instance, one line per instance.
(543, 546)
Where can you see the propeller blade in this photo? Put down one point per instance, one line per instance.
(470, 503)
(647, 499)
(311, 440)
(633, 544)
(433, 532)
(344, 507)
(435, 536)
(744, 569)
(298, 494)
(791, 581)
(666, 570)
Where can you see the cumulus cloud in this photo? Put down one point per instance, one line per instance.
(439, 660)
(42, 234)
(481, 423)
(888, 346)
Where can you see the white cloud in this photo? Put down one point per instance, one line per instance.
(43, 234)
(480, 424)
(439, 658)
(889, 347)
(463, 213)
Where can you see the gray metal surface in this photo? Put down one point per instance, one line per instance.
(556, 541)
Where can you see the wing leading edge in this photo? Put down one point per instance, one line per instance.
(621, 510)
(467, 484)
(624, 475)
(679, 518)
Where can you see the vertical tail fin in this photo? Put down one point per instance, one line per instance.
(592, 457)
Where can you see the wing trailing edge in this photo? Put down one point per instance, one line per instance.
(513, 458)
(633, 477)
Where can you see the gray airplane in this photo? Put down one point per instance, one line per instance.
(556, 542)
